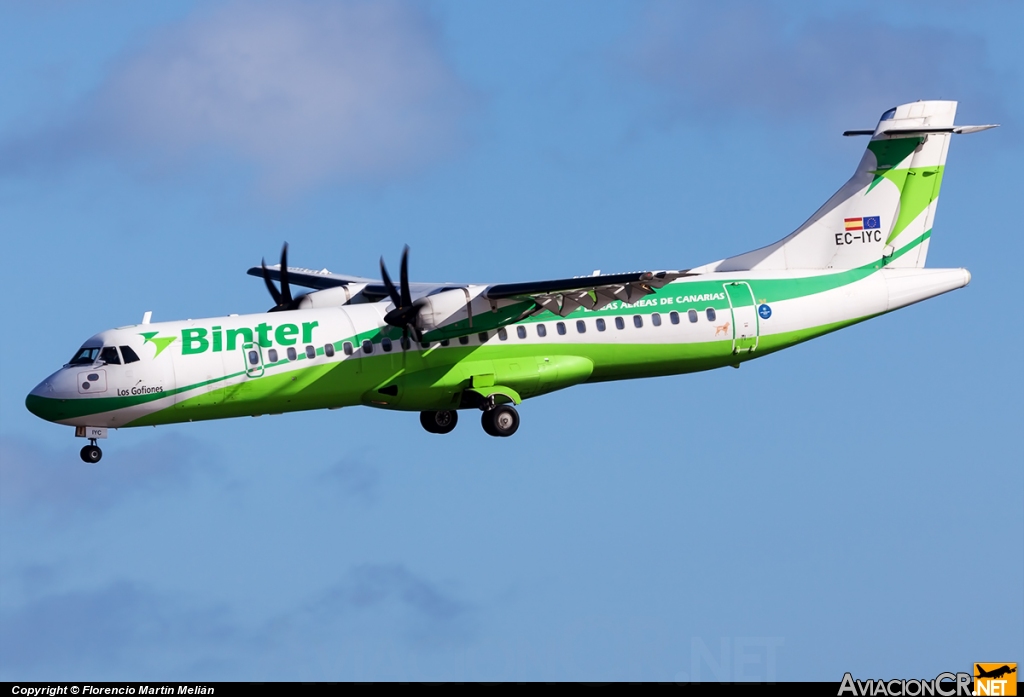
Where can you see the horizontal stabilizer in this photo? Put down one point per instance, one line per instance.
(920, 131)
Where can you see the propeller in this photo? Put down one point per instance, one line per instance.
(406, 311)
(282, 298)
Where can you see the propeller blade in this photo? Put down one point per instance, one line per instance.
(405, 311)
(406, 295)
(286, 291)
(392, 291)
(270, 284)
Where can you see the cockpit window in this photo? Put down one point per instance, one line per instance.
(109, 355)
(85, 356)
(888, 115)
(128, 354)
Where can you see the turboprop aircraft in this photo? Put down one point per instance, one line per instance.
(442, 348)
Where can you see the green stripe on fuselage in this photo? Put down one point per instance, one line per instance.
(340, 384)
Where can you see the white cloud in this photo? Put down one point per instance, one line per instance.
(53, 484)
(131, 630)
(740, 57)
(305, 92)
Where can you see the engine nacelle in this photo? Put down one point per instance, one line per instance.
(331, 297)
(446, 307)
(460, 311)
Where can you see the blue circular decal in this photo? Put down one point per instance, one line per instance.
(764, 311)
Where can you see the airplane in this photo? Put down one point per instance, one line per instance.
(995, 673)
(444, 348)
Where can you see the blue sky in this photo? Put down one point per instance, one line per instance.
(852, 504)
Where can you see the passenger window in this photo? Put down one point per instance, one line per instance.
(463, 340)
(405, 343)
(581, 326)
(445, 342)
(692, 315)
(542, 330)
(710, 312)
(85, 356)
(601, 326)
(291, 353)
(425, 344)
(310, 352)
(502, 334)
(561, 328)
(128, 354)
(272, 355)
(109, 355)
(329, 350)
(367, 346)
(347, 348)
(254, 358)
(521, 331)
(385, 344)
(620, 323)
(483, 336)
(638, 321)
(656, 319)
(674, 316)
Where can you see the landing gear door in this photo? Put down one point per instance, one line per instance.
(252, 354)
(745, 328)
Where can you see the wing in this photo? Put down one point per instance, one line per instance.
(447, 311)
(564, 296)
(373, 291)
(309, 278)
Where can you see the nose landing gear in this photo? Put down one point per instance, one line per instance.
(91, 453)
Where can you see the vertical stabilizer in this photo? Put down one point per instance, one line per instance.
(884, 213)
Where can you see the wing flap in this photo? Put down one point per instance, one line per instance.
(564, 296)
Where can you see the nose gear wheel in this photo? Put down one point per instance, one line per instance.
(91, 454)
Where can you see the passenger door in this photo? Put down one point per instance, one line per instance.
(252, 355)
(744, 316)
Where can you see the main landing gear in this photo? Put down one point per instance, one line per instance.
(91, 453)
(500, 420)
(439, 421)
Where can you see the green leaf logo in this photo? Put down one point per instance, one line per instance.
(161, 342)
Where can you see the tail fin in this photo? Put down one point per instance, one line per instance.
(884, 213)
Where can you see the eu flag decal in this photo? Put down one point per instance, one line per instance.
(871, 222)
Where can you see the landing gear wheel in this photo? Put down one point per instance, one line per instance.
(501, 421)
(91, 454)
(439, 421)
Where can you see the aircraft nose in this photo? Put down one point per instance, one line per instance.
(41, 400)
(34, 402)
